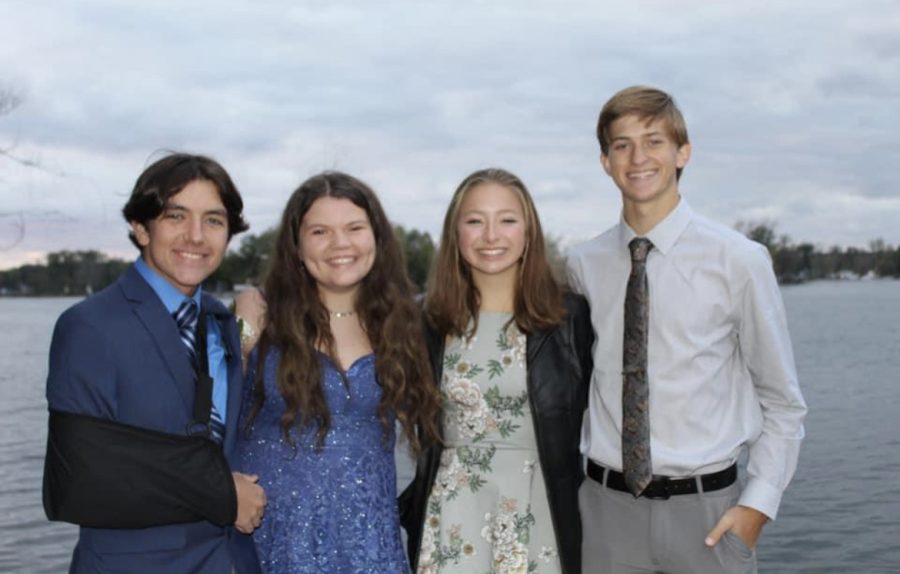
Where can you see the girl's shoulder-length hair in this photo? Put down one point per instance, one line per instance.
(452, 300)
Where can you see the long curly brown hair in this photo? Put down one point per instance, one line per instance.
(297, 323)
(452, 301)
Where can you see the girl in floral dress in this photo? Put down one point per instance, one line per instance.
(511, 352)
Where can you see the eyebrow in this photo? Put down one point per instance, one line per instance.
(354, 222)
(172, 206)
(482, 212)
(643, 135)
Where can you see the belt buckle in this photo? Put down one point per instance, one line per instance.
(660, 483)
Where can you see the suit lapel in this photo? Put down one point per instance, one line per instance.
(162, 330)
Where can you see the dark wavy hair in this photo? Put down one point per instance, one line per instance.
(297, 323)
(168, 176)
(452, 300)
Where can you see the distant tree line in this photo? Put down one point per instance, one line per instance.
(247, 264)
(81, 272)
(799, 262)
(65, 273)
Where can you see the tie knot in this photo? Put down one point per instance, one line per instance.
(640, 247)
(186, 315)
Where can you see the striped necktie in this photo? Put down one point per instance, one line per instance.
(186, 318)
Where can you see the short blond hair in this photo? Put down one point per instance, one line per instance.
(647, 103)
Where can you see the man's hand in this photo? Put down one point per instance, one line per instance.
(746, 523)
(251, 501)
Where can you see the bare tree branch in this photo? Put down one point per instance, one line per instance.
(18, 227)
(9, 100)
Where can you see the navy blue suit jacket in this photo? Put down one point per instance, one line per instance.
(117, 355)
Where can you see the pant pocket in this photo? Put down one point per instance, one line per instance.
(734, 542)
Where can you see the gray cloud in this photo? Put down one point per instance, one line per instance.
(791, 106)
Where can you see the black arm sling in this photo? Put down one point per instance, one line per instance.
(105, 474)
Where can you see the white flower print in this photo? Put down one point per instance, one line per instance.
(479, 513)
(434, 555)
(451, 476)
(547, 554)
(472, 415)
(517, 344)
(505, 532)
(515, 561)
(427, 563)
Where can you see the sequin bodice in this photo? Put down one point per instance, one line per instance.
(329, 511)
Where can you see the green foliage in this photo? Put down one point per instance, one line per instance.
(507, 428)
(795, 263)
(248, 263)
(82, 272)
(495, 369)
(418, 247)
(556, 256)
(65, 273)
(759, 231)
(477, 458)
(501, 405)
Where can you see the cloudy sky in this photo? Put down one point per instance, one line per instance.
(793, 107)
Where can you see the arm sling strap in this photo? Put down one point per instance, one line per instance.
(101, 473)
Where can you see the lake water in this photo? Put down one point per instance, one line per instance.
(841, 514)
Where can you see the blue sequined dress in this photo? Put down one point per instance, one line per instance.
(331, 511)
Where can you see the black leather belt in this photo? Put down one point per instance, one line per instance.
(662, 487)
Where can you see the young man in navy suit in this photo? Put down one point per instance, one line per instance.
(124, 388)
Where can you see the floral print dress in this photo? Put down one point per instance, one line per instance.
(488, 511)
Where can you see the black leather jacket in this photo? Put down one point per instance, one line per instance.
(559, 364)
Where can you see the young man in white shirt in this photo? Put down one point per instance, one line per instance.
(713, 360)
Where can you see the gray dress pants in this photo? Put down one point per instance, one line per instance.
(623, 534)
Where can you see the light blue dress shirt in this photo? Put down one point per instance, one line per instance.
(215, 351)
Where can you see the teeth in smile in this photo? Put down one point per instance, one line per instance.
(191, 255)
(342, 260)
(642, 174)
(490, 252)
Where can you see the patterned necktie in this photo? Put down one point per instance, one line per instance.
(636, 465)
(186, 319)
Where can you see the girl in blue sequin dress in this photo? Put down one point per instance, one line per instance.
(338, 361)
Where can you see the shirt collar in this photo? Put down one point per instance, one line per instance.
(666, 233)
(170, 296)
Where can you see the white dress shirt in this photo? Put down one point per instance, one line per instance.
(720, 363)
